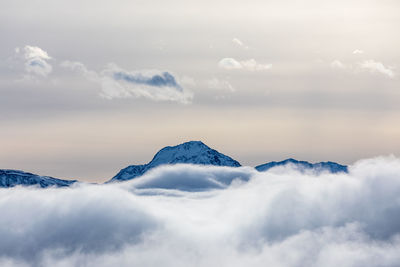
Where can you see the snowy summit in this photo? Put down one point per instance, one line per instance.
(192, 152)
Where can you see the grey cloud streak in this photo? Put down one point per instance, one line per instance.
(278, 218)
(159, 80)
(119, 83)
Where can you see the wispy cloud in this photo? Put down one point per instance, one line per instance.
(249, 65)
(377, 67)
(219, 84)
(358, 52)
(116, 82)
(371, 66)
(253, 65)
(239, 43)
(35, 60)
(337, 64)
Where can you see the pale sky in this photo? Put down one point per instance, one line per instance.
(90, 87)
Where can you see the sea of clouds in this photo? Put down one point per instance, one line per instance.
(187, 215)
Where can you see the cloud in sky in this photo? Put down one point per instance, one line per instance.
(115, 82)
(239, 43)
(229, 64)
(358, 52)
(377, 67)
(219, 84)
(164, 79)
(119, 83)
(35, 60)
(229, 217)
(253, 65)
(250, 65)
(371, 66)
(337, 64)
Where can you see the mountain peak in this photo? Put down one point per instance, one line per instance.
(190, 146)
(192, 152)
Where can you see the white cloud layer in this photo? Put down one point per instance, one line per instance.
(35, 60)
(210, 216)
(116, 82)
(249, 65)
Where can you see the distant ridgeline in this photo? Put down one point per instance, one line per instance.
(196, 152)
(193, 152)
(10, 178)
(329, 166)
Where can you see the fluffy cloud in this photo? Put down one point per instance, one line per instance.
(116, 82)
(229, 64)
(377, 67)
(228, 217)
(250, 65)
(35, 60)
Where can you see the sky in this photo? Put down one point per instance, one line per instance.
(91, 87)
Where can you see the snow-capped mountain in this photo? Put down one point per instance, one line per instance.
(329, 166)
(193, 152)
(10, 178)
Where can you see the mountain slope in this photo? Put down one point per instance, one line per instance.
(193, 152)
(10, 178)
(329, 166)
